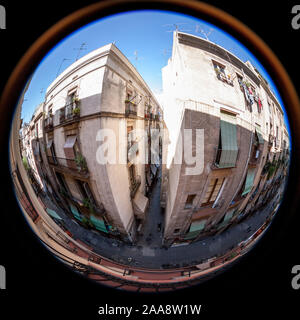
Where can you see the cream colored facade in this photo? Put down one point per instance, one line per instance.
(100, 95)
(208, 88)
(31, 136)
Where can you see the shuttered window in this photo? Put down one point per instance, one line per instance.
(69, 147)
(228, 149)
(259, 135)
(195, 229)
(212, 191)
(249, 181)
(98, 224)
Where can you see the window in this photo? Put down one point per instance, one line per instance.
(220, 70)
(70, 105)
(85, 191)
(227, 218)
(227, 149)
(71, 150)
(249, 181)
(222, 73)
(176, 231)
(62, 182)
(189, 201)
(51, 152)
(71, 147)
(195, 229)
(212, 191)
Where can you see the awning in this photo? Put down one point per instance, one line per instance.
(228, 140)
(75, 213)
(68, 147)
(198, 225)
(53, 214)
(249, 181)
(98, 223)
(140, 202)
(153, 169)
(195, 229)
(259, 135)
(229, 215)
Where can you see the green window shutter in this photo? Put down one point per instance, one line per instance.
(191, 235)
(197, 225)
(229, 215)
(75, 213)
(99, 224)
(228, 140)
(195, 228)
(53, 214)
(249, 181)
(259, 135)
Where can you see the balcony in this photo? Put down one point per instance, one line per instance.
(231, 158)
(48, 123)
(69, 113)
(76, 165)
(147, 115)
(130, 108)
(134, 186)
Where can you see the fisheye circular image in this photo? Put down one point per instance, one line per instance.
(149, 150)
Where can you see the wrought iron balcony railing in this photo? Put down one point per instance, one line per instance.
(71, 164)
(69, 112)
(48, 123)
(134, 186)
(130, 109)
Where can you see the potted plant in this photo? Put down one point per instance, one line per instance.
(80, 162)
(86, 222)
(88, 204)
(76, 111)
(75, 99)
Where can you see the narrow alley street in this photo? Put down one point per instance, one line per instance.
(152, 231)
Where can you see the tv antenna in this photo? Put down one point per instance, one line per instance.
(63, 60)
(199, 29)
(176, 26)
(81, 48)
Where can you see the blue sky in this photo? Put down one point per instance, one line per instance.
(144, 37)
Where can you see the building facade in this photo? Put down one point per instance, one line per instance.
(240, 144)
(96, 115)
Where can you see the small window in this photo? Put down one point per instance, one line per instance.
(222, 73)
(219, 69)
(189, 201)
(176, 231)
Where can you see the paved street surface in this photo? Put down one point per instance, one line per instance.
(152, 229)
(148, 251)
